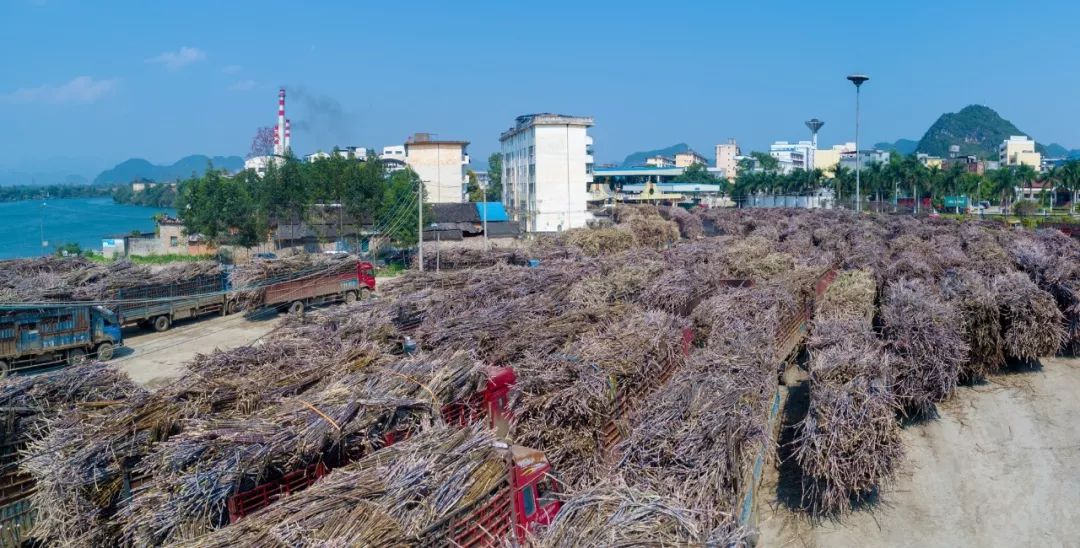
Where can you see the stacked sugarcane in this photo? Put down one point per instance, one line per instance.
(190, 476)
(849, 441)
(251, 279)
(64, 279)
(398, 496)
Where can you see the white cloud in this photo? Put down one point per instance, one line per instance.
(80, 90)
(231, 69)
(243, 85)
(178, 59)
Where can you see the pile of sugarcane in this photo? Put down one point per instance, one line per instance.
(925, 335)
(190, 476)
(456, 258)
(64, 279)
(401, 495)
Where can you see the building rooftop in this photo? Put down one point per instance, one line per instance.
(526, 121)
(428, 139)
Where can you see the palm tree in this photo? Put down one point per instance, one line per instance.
(1026, 176)
(1070, 179)
(1003, 184)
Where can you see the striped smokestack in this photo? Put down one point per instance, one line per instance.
(280, 148)
(277, 140)
(288, 134)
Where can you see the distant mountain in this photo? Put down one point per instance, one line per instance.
(903, 147)
(976, 129)
(638, 158)
(137, 168)
(1054, 150)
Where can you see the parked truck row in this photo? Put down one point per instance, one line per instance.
(34, 335)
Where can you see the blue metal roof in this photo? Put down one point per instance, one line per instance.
(495, 211)
(673, 187)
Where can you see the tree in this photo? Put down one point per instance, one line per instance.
(697, 174)
(495, 188)
(768, 163)
(1026, 175)
(263, 142)
(476, 194)
(401, 218)
(220, 208)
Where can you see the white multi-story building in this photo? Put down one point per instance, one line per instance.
(1019, 150)
(440, 165)
(793, 156)
(727, 158)
(659, 161)
(865, 158)
(547, 168)
(261, 163)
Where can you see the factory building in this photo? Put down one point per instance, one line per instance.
(440, 165)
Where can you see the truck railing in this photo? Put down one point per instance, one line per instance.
(790, 336)
(486, 522)
(481, 406)
(627, 399)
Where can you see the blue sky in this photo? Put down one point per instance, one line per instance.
(92, 83)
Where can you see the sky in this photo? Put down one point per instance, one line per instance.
(88, 84)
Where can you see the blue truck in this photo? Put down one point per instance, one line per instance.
(41, 335)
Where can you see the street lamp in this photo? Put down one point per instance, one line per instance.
(858, 80)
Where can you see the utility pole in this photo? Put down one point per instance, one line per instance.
(420, 226)
(858, 80)
(483, 188)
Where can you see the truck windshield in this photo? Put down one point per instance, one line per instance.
(107, 315)
(530, 503)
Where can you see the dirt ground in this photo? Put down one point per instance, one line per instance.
(152, 359)
(1000, 467)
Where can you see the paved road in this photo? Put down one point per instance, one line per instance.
(1000, 467)
(152, 359)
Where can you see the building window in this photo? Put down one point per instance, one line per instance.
(174, 241)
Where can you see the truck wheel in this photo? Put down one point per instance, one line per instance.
(231, 307)
(350, 297)
(161, 323)
(4, 368)
(297, 307)
(365, 294)
(76, 356)
(105, 351)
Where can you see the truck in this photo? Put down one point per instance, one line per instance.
(37, 335)
(526, 499)
(489, 404)
(347, 283)
(159, 305)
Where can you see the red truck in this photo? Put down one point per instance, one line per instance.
(344, 283)
(489, 404)
(526, 499)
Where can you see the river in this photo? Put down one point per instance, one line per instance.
(85, 221)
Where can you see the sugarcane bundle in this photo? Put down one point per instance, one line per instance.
(690, 226)
(598, 241)
(396, 496)
(653, 231)
(190, 476)
(1052, 260)
(851, 294)
(625, 281)
(1032, 325)
(695, 440)
(849, 442)
(973, 296)
(924, 333)
(614, 514)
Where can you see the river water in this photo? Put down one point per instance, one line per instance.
(85, 221)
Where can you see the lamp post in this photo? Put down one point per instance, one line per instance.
(858, 80)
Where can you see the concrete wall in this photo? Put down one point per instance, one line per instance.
(144, 246)
(442, 168)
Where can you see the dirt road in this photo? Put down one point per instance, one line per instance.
(152, 359)
(1000, 467)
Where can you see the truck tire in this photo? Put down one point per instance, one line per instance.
(350, 297)
(231, 307)
(365, 294)
(105, 351)
(5, 368)
(76, 356)
(161, 323)
(297, 307)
